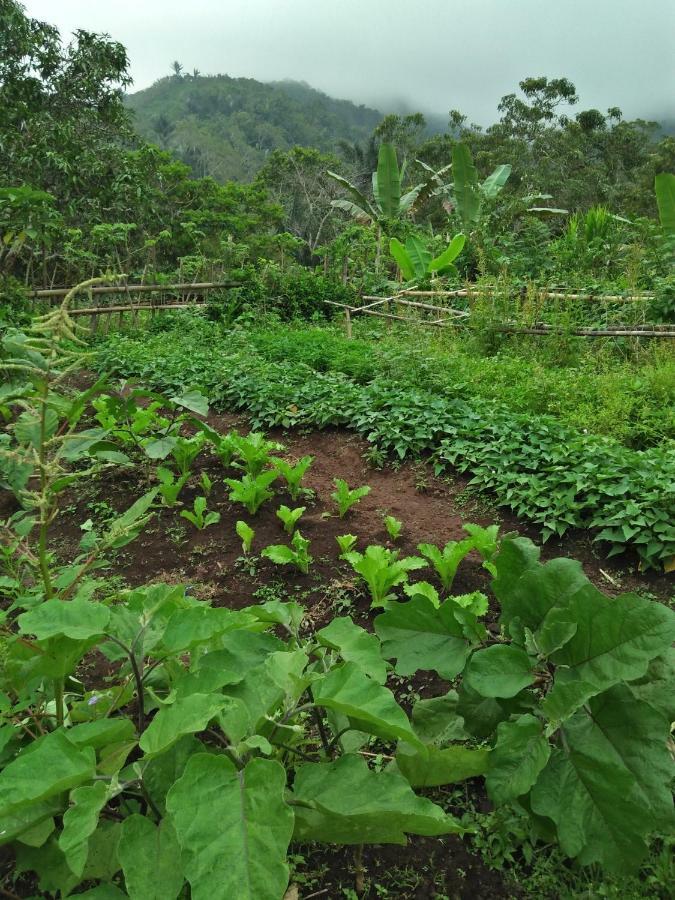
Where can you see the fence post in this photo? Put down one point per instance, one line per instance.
(348, 322)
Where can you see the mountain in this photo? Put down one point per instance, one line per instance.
(225, 127)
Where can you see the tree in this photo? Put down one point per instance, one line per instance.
(177, 69)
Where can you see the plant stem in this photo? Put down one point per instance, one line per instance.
(58, 700)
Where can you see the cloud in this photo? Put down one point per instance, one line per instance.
(432, 55)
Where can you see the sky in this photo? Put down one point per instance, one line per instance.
(428, 55)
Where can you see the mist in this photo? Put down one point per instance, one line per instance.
(432, 56)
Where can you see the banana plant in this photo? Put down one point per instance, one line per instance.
(469, 193)
(415, 261)
(664, 185)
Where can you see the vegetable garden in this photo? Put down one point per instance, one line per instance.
(293, 610)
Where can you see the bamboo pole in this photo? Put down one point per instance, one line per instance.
(136, 288)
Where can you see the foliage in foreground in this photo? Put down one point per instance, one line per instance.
(219, 736)
(545, 472)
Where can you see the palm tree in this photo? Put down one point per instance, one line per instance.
(177, 69)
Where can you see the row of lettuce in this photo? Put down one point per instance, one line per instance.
(545, 472)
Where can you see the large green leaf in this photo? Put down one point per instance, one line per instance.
(444, 765)
(467, 191)
(52, 766)
(355, 805)
(449, 255)
(150, 858)
(362, 207)
(74, 619)
(80, 822)
(387, 184)
(495, 182)
(418, 254)
(420, 636)
(615, 641)
(403, 261)
(436, 720)
(519, 755)
(501, 670)
(370, 706)
(233, 828)
(187, 716)
(664, 185)
(589, 788)
(355, 644)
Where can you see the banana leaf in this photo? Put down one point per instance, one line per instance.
(467, 190)
(449, 255)
(387, 183)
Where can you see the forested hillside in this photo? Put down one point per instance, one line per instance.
(226, 127)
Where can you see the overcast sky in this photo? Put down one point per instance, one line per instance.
(434, 55)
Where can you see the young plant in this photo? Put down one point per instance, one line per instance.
(393, 526)
(290, 517)
(251, 491)
(486, 542)
(170, 485)
(292, 474)
(200, 518)
(296, 555)
(447, 560)
(345, 497)
(346, 542)
(186, 450)
(246, 533)
(206, 484)
(252, 452)
(382, 570)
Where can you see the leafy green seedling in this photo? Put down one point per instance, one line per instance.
(252, 452)
(251, 491)
(486, 542)
(297, 554)
(290, 517)
(382, 570)
(186, 450)
(200, 518)
(393, 526)
(345, 497)
(206, 483)
(447, 560)
(246, 533)
(170, 486)
(346, 542)
(292, 474)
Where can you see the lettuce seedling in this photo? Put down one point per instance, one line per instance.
(345, 497)
(292, 474)
(246, 533)
(346, 543)
(297, 554)
(200, 518)
(382, 570)
(251, 491)
(170, 486)
(252, 452)
(393, 526)
(447, 560)
(290, 517)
